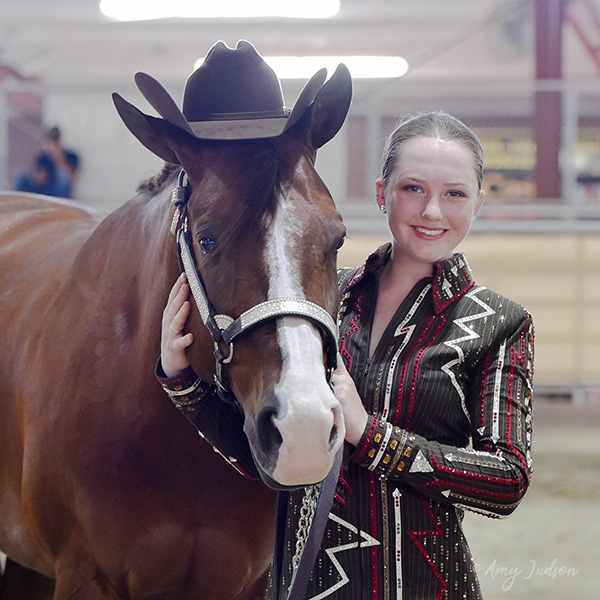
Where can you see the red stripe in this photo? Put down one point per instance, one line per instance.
(363, 448)
(415, 370)
(441, 307)
(339, 500)
(374, 534)
(352, 328)
(482, 390)
(436, 531)
(475, 491)
(509, 396)
(403, 371)
(461, 472)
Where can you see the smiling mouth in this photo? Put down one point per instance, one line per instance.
(430, 232)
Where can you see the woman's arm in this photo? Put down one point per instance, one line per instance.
(491, 477)
(220, 424)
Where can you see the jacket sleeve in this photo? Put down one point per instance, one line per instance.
(492, 476)
(219, 423)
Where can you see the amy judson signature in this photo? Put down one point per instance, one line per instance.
(511, 574)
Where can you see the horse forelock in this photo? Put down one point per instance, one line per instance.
(257, 169)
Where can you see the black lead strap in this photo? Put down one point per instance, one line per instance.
(297, 589)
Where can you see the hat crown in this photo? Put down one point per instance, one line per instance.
(233, 84)
(233, 95)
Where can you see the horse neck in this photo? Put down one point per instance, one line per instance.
(129, 263)
(139, 233)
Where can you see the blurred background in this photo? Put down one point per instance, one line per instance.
(524, 74)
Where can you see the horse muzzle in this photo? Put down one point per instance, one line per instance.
(296, 435)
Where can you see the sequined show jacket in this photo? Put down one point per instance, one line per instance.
(449, 388)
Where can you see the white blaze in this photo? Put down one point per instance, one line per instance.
(307, 407)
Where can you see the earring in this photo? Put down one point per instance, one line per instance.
(382, 208)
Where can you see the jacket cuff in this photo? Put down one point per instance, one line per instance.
(363, 444)
(186, 388)
(383, 448)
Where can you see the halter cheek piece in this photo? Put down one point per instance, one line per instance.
(225, 330)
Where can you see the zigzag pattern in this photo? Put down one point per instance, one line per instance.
(470, 335)
(331, 552)
(407, 331)
(352, 328)
(435, 530)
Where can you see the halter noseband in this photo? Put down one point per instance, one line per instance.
(224, 329)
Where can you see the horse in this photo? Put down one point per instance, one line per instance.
(106, 491)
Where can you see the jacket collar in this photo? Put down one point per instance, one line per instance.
(451, 278)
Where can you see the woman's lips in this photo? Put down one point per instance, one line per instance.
(429, 232)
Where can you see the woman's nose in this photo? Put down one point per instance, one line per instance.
(432, 208)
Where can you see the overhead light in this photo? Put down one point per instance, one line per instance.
(138, 10)
(361, 67)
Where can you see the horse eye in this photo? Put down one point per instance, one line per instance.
(340, 243)
(207, 244)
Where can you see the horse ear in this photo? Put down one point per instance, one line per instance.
(141, 126)
(331, 106)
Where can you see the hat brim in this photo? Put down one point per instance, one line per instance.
(239, 129)
(234, 129)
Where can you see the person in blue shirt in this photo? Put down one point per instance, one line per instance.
(44, 178)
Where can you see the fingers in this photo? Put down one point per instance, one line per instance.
(355, 415)
(177, 297)
(179, 319)
(181, 280)
(173, 354)
(173, 341)
(181, 342)
(342, 384)
(340, 371)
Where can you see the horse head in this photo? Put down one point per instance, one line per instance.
(262, 231)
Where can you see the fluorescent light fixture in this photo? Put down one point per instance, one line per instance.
(139, 10)
(361, 67)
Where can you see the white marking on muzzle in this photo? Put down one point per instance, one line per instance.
(307, 409)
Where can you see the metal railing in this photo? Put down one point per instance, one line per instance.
(498, 107)
(537, 218)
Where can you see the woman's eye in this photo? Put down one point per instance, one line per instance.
(412, 188)
(206, 244)
(456, 194)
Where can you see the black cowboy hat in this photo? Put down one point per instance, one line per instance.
(233, 95)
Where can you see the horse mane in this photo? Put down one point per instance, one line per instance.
(260, 170)
(157, 182)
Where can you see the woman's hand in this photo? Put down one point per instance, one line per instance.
(173, 343)
(355, 415)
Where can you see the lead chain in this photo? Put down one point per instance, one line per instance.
(307, 512)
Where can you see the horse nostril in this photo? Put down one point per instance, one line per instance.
(268, 434)
(333, 435)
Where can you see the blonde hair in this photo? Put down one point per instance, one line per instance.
(439, 125)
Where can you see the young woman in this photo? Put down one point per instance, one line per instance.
(435, 380)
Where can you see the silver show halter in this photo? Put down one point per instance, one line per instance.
(225, 330)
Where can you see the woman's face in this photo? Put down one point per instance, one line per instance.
(431, 198)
